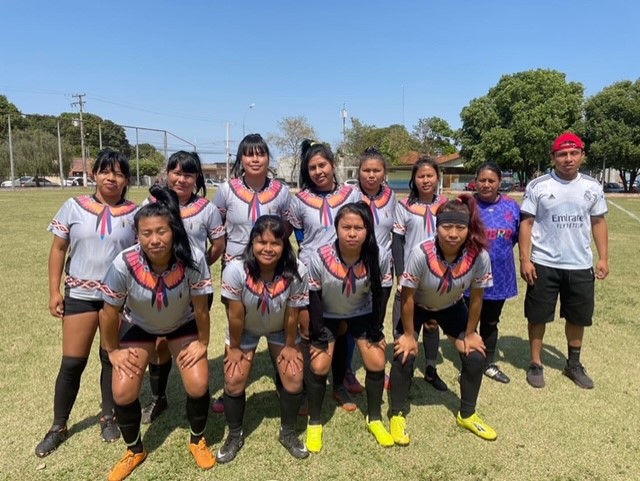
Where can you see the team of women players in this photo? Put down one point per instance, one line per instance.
(142, 276)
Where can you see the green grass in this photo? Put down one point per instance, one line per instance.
(559, 433)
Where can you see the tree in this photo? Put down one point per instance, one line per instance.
(612, 119)
(516, 122)
(435, 136)
(293, 130)
(113, 135)
(151, 161)
(394, 141)
(8, 109)
(35, 152)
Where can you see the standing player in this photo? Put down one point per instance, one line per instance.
(161, 285)
(345, 294)
(435, 277)
(203, 224)
(500, 216)
(415, 222)
(560, 211)
(265, 290)
(89, 230)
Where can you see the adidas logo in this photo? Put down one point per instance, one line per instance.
(552, 197)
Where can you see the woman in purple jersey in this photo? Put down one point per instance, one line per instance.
(89, 231)
(501, 218)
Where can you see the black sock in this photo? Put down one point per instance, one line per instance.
(339, 361)
(374, 385)
(316, 389)
(67, 387)
(574, 355)
(159, 378)
(106, 388)
(128, 417)
(489, 334)
(197, 414)
(234, 411)
(289, 405)
(276, 374)
(470, 381)
(431, 344)
(400, 377)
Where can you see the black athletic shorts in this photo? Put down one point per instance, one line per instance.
(452, 320)
(133, 334)
(356, 326)
(80, 306)
(491, 309)
(576, 290)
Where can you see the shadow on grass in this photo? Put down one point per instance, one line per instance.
(515, 351)
(86, 423)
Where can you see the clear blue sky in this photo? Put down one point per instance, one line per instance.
(189, 67)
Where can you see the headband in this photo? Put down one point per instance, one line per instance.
(452, 217)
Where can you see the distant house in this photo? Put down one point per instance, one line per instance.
(216, 171)
(76, 168)
(451, 167)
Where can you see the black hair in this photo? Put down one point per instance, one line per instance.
(492, 166)
(166, 205)
(414, 195)
(308, 150)
(189, 162)
(251, 144)
(107, 159)
(372, 154)
(466, 204)
(370, 253)
(287, 266)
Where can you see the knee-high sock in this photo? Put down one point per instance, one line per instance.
(351, 346)
(197, 414)
(159, 378)
(316, 389)
(338, 362)
(400, 377)
(106, 388)
(234, 411)
(431, 343)
(289, 405)
(374, 385)
(470, 381)
(489, 334)
(276, 374)
(67, 386)
(128, 417)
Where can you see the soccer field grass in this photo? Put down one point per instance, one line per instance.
(557, 433)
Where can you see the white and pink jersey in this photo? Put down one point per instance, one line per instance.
(383, 208)
(240, 206)
(157, 303)
(96, 233)
(265, 303)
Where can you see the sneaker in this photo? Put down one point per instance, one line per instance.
(314, 438)
(126, 465)
(579, 375)
(431, 376)
(54, 438)
(493, 372)
(218, 406)
(303, 410)
(477, 426)
(229, 450)
(109, 429)
(292, 443)
(351, 383)
(398, 427)
(380, 433)
(154, 409)
(535, 375)
(202, 454)
(344, 399)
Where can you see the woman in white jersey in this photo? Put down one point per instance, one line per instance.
(415, 222)
(89, 231)
(313, 210)
(204, 227)
(161, 285)
(265, 290)
(346, 279)
(249, 194)
(433, 283)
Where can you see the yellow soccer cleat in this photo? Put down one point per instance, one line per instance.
(314, 438)
(398, 425)
(477, 426)
(380, 433)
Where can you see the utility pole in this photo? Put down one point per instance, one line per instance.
(228, 124)
(80, 104)
(344, 114)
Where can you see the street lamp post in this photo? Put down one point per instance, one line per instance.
(244, 118)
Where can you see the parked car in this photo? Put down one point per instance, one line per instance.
(78, 181)
(351, 181)
(16, 182)
(38, 182)
(471, 186)
(613, 187)
(510, 187)
(211, 183)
